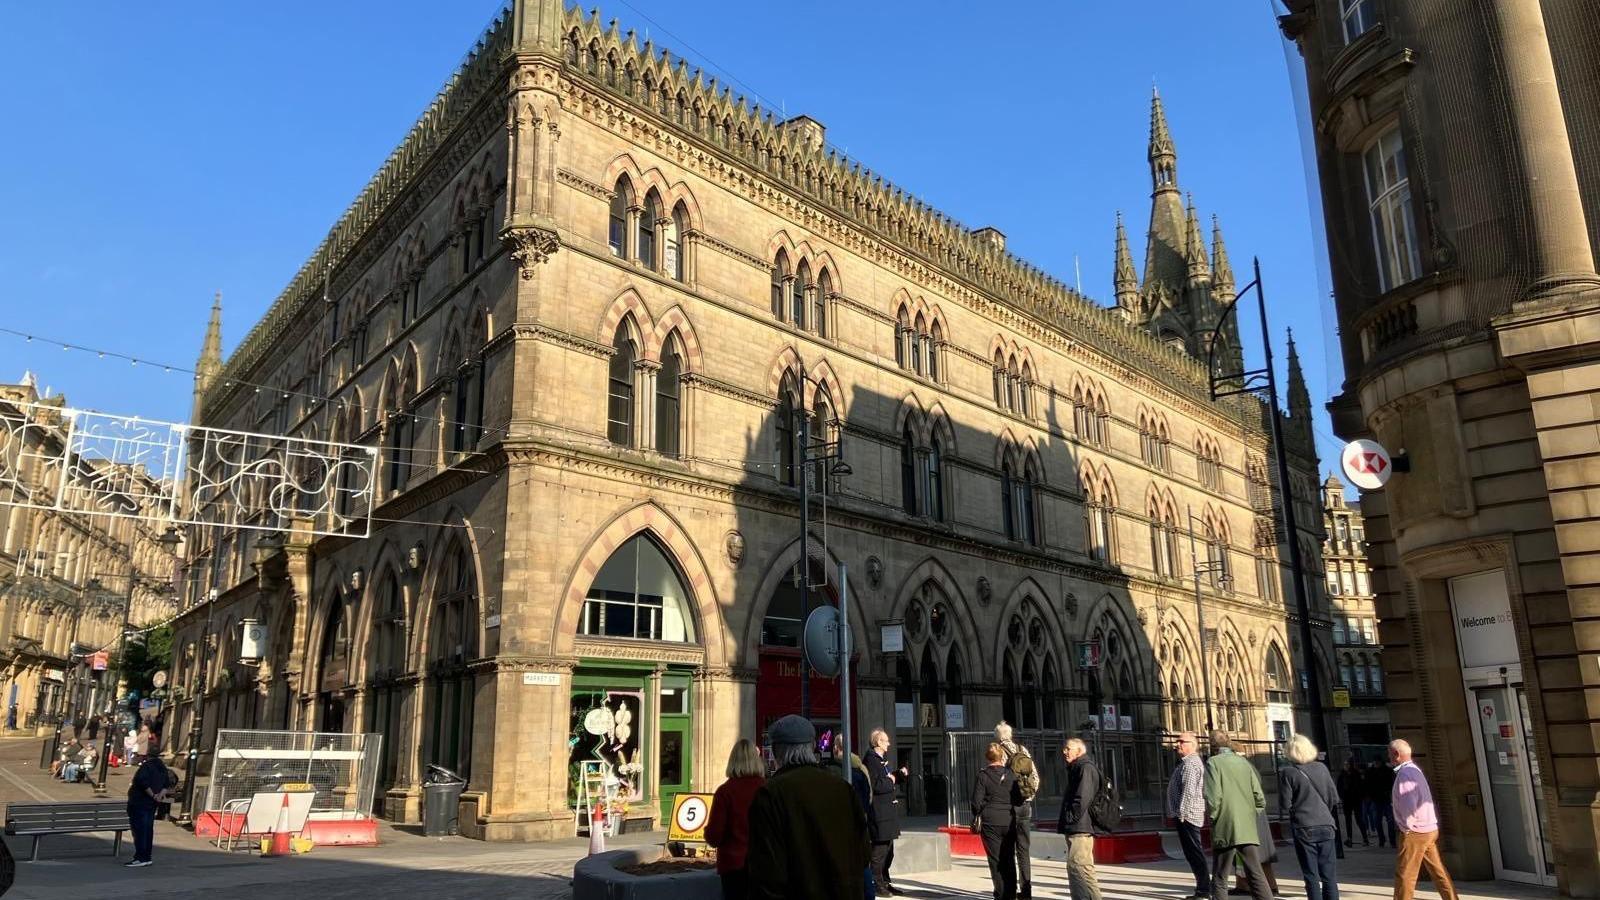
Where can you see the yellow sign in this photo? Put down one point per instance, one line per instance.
(1341, 698)
(689, 815)
(290, 787)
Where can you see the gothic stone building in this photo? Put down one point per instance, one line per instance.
(587, 311)
(1461, 190)
(1365, 721)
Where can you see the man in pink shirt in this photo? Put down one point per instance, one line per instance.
(1419, 828)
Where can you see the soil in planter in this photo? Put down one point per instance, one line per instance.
(668, 866)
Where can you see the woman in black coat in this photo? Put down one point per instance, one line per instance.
(994, 796)
(885, 810)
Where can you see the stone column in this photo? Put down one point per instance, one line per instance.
(1562, 257)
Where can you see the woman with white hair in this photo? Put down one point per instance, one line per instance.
(1309, 800)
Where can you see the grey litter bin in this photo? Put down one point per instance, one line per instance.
(441, 793)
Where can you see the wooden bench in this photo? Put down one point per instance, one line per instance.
(39, 819)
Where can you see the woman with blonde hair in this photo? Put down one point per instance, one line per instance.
(728, 829)
(1309, 799)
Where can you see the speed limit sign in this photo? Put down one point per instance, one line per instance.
(689, 815)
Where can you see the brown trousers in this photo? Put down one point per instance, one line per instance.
(1419, 849)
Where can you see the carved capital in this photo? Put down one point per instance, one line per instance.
(530, 246)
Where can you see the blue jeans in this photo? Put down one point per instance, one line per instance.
(1380, 818)
(69, 772)
(1315, 848)
(142, 822)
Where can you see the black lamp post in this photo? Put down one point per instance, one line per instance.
(1265, 379)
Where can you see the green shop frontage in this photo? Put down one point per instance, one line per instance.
(630, 739)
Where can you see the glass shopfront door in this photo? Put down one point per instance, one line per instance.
(1509, 774)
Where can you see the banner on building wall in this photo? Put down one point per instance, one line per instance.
(1482, 607)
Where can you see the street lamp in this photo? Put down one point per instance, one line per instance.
(1251, 381)
(1211, 569)
(829, 458)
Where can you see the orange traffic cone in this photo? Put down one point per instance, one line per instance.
(597, 831)
(279, 845)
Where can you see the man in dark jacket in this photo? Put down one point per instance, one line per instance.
(1351, 793)
(1379, 784)
(1075, 823)
(885, 810)
(808, 834)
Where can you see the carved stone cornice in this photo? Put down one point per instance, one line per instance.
(530, 245)
(742, 674)
(749, 259)
(583, 184)
(562, 338)
(727, 389)
(642, 651)
(864, 309)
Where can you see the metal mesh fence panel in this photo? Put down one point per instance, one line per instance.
(341, 768)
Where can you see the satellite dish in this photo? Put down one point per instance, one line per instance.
(822, 640)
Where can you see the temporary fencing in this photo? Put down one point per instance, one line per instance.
(341, 768)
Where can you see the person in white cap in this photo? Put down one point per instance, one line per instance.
(808, 834)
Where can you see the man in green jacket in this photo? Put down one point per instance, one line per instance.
(1234, 797)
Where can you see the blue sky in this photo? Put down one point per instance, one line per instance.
(173, 151)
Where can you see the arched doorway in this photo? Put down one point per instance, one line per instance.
(452, 645)
(386, 663)
(333, 668)
(778, 692)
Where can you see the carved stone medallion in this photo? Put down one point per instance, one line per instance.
(985, 590)
(874, 572)
(735, 548)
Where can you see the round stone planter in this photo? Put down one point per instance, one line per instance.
(598, 878)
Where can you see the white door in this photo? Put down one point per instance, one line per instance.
(1509, 776)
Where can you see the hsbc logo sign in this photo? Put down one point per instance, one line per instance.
(1366, 464)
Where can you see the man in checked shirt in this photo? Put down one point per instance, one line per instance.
(1186, 805)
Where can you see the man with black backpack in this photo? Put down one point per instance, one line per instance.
(1077, 819)
(1020, 762)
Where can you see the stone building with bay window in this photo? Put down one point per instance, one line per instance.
(597, 416)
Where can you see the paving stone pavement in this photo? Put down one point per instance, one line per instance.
(77, 866)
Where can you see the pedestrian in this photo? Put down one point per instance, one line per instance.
(94, 728)
(1186, 806)
(68, 753)
(11, 717)
(1412, 803)
(1266, 855)
(1020, 762)
(130, 746)
(1378, 786)
(1350, 799)
(885, 809)
(808, 836)
(1309, 799)
(861, 783)
(147, 790)
(728, 826)
(1075, 822)
(994, 810)
(1233, 794)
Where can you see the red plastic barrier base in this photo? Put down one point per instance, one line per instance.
(962, 841)
(322, 832)
(1128, 847)
(1124, 847)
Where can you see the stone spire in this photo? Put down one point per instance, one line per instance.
(1194, 248)
(1165, 262)
(538, 26)
(1222, 283)
(209, 365)
(1299, 397)
(1126, 280)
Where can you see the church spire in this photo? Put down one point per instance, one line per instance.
(1126, 279)
(1194, 249)
(1299, 397)
(209, 365)
(1222, 283)
(1163, 155)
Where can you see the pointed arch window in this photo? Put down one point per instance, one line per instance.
(1025, 391)
(333, 669)
(1002, 383)
(639, 595)
(1279, 685)
(784, 433)
(822, 425)
(668, 385)
(932, 710)
(452, 646)
(649, 221)
(908, 473)
(935, 347)
(1027, 517)
(617, 232)
(797, 294)
(780, 275)
(819, 303)
(1007, 511)
(619, 407)
(387, 656)
(677, 234)
(919, 345)
(936, 480)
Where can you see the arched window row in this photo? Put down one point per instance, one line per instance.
(1013, 381)
(919, 342)
(1155, 440)
(1216, 537)
(1032, 689)
(929, 674)
(400, 424)
(923, 484)
(798, 432)
(471, 227)
(1208, 462)
(1091, 414)
(1184, 708)
(464, 362)
(1099, 513)
(642, 229)
(1162, 511)
(644, 400)
(802, 293)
